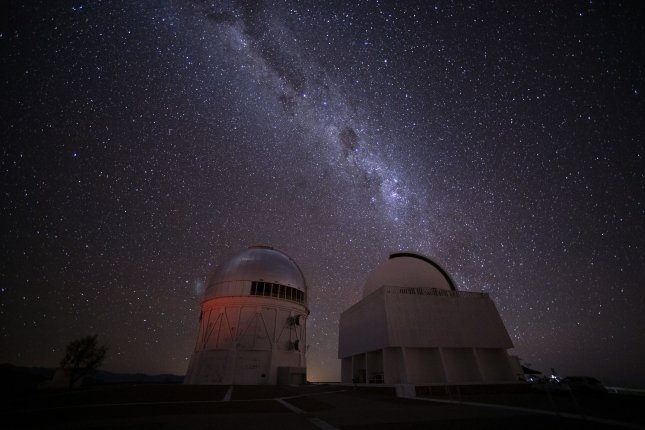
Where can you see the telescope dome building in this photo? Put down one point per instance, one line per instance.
(252, 323)
(413, 326)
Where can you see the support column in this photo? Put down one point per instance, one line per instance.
(404, 367)
(479, 367)
(443, 366)
(367, 367)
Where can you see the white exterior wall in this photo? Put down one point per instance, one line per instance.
(394, 366)
(363, 327)
(493, 364)
(455, 320)
(244, 340)
(429, 336)
(425, 365)
(461, 366)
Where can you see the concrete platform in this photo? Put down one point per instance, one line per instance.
(308, 407)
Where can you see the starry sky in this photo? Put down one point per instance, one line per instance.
(145, 142)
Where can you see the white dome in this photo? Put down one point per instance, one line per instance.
(257, 263)
(408, 270)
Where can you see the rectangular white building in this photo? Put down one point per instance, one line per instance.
(423, 335)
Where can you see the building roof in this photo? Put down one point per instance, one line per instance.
(409, 270)
(256, 263)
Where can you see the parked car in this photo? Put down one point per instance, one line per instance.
(532, 378)
(550, 384)
(584, 384)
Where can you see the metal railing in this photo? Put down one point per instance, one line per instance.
(429, 291)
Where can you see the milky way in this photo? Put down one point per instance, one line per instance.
(144, 143)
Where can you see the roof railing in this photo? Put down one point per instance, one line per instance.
(431, 291)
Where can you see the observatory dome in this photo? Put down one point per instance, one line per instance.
(254, 264)
(408, 270)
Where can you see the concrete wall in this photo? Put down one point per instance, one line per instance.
(470, 320)
(421, 336)
(292, 375)
(388, 318)
(425, 365)
(461, 365)
(495, 365)
(363, 327)
(428, 366)
(243, 340)
(394, 366)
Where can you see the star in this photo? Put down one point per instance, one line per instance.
(144, 144)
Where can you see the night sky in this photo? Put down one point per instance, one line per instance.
(144, 143)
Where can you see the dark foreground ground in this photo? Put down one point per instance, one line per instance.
(175, 406)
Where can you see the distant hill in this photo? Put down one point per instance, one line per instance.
(105, 377)
(26, 378)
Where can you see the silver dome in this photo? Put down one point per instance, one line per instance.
(410, 270)
(257, 263)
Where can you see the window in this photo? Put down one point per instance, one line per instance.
(268, 289)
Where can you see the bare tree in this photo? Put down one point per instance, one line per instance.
(83, 357)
